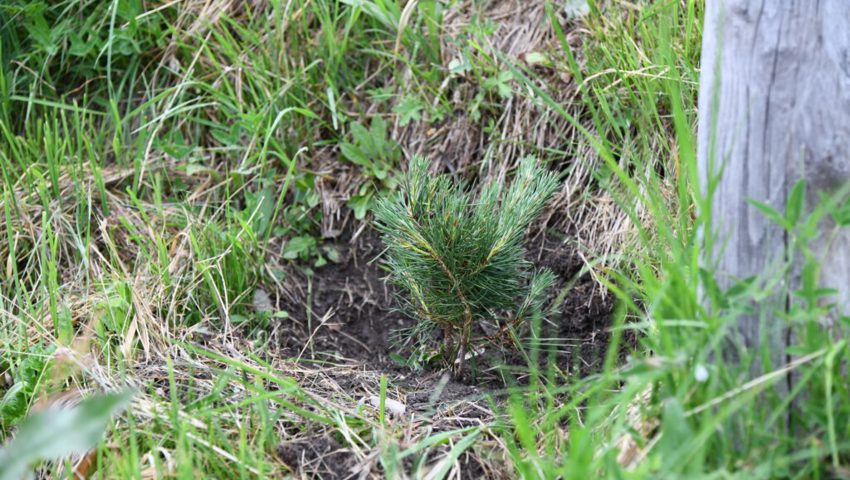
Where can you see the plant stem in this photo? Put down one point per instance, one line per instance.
(467, 316)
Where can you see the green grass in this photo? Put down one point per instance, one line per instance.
(162, 162)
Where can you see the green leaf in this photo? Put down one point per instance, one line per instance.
(381, 94)
(55, 433)
(398, 359)
(296, 246)
(226, 137)
(354, 155)
(128, 10)
(39, 30)
(675, 432)
(261, 206)
(16, 400)
(712, 290)
(796, 202)
(740, 287)
(80, 47)
(458, 65)
(771, 213)
(360, 204)
(500, 84)
(388, 13)
(380, 173)
(363, 139)
(11, 394)
(378, 133)
(332, 254)
(538, 58)
(409, 110)
(815, 293)
(193, 169)
(841, 215)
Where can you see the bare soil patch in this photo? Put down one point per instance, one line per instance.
(324, 457)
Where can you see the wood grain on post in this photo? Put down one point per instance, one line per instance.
(774, 108)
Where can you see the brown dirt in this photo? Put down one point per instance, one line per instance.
(359, 305)
(581, 324)
(324, 457)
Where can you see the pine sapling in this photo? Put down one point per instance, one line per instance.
(459, 258)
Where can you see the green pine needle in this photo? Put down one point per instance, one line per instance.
(460, 258)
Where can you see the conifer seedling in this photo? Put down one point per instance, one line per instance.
(459, 258)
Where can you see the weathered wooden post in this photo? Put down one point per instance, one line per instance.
(774, 108)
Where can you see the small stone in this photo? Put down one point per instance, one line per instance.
(262, 302)
(394, 407)
(701, 373)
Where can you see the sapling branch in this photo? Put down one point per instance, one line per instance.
(458, 258)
